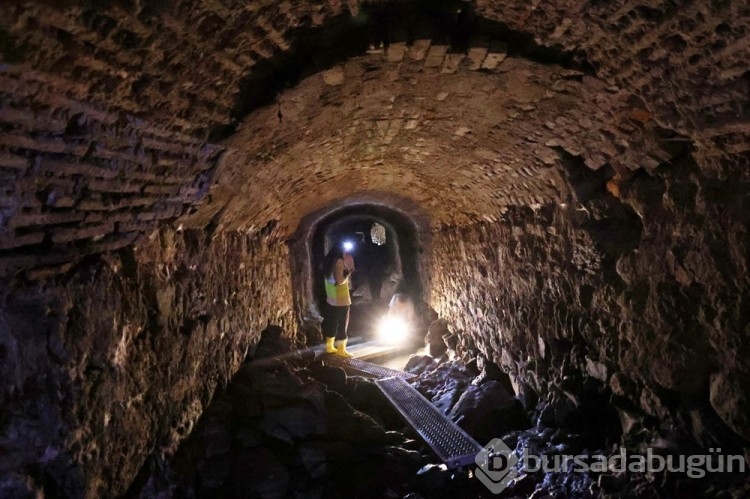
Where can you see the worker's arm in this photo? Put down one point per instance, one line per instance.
(339, 274)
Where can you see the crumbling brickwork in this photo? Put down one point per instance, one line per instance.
(78, 180)
(123, 123)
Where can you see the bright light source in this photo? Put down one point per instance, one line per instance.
(393, 330)
(348, 245)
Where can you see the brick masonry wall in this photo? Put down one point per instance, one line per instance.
(656, 73)
(648, 293)
(77, 179)
(169, 61)
(177, 64)
(112, 364)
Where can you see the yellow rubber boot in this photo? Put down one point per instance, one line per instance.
(330, 348)
(341, 349)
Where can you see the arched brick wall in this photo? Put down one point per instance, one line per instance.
(578, 170)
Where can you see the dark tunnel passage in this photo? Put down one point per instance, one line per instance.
(378, 262)
(558, 192)
(382, 269)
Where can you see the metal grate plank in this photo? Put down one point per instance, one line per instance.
(366, 351)
(364, 368)
(451, 444)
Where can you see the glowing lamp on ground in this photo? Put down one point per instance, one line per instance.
(393, 330)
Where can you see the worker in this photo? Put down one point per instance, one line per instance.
(338, 300)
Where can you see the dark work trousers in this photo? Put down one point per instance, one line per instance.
(336, 321)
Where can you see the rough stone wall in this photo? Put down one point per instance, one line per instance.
(115, 361)
(647, 293)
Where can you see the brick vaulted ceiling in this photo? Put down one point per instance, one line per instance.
(118, 116)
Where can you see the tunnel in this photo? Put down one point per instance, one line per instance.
(386, 265)
(563, 190)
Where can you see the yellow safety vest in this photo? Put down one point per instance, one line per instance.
(337, 295)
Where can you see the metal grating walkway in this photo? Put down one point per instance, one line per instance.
(368, 351)
(361, 367)
(451, 444)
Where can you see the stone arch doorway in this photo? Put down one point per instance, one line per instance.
(378, 266)
(399, 262)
